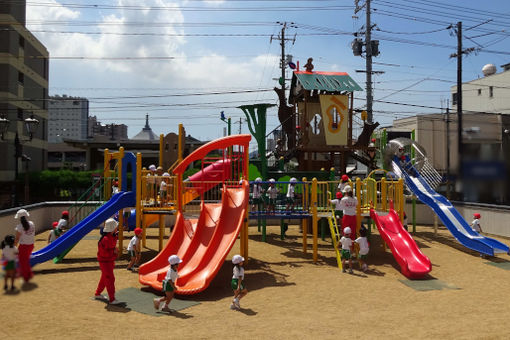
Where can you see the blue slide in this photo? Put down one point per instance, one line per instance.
(118, 201)
(450, 217)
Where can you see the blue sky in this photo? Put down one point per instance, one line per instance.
(180, 61)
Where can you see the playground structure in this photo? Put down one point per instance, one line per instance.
(408, 161)
(204, 242)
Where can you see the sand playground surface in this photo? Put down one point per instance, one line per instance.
(290, 297)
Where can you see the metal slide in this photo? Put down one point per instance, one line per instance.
(450, 217)
(118, 201)
(413, 263)
(202, 244)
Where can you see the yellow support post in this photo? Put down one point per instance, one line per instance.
(359, 188)
(314, 218)
(138, 190)
(160, 159)
(399, 194)
(106, 172)
(144, 231)
(121, 215)
(179, 144)
(304, 221)
(161, 230)
(384, 195)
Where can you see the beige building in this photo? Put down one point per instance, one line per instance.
(491, 93)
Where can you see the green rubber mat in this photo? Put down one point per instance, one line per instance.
(425, 285)
(503, 265)
(142, 302)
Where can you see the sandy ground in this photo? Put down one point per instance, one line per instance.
(290, 297)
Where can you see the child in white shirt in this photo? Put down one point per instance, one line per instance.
(363, 248)
(346, 244)
(9, 257)
(257, 194)
(134, 250)
(349, 205)
(237, 283)
(290, 195)
(338, 208)
(476, 223)
(272, 194)
(169, 284)
(54, 233)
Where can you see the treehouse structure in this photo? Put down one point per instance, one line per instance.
(323, 119)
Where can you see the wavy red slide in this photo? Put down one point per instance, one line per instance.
(413, 263)
(202, 244)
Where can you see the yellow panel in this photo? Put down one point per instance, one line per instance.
(334, 109)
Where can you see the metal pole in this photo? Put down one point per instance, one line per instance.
(368, 42)
(459, 101)
(282, 43)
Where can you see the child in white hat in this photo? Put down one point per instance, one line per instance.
(169, 284)
(346, 244)
(237, 282)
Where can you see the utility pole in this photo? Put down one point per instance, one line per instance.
(282, 39)
(368, 62)
(371, 50)
(240, 125)
(459, 98)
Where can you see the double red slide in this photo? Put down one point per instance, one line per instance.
(202, 244)
(413, 263)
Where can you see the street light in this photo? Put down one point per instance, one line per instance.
(31, 125)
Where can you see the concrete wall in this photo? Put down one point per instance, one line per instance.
(494, 219)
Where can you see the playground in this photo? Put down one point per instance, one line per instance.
(421, 282)
(289, 296)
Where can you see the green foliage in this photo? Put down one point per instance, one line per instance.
(50, 184)
(253, 172)
(189, 172)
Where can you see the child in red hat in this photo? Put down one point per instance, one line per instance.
(476, 223)
(134, 250)
(54, 233)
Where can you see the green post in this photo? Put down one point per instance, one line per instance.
(256, 118)
(323, 228)
(281, 163)
(228, 121)
(282, 229)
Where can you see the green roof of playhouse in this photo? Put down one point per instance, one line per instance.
(325, 81)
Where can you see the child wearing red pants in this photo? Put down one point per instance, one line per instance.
(106, 255)
(25, 237)
(348, 204)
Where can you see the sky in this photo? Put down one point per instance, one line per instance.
(186, 61)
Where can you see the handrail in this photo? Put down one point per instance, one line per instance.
(202, 151)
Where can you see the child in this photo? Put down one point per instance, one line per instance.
(343, 183)
(346, 244)
(290, 195)
(64, 220)
(476, 223)
(9, 257)
(151, 182)
(348, 205)
(115, 187)
(163, 188)
(272, 193)
(257, 194)
(237, 282)
(169, 284)
(106, 255)
(54, 233)
(363, 248)
(134, 250)
(338, 209)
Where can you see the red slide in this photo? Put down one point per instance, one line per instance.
(413, 263)
(202, 244)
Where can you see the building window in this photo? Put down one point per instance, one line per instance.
(454, 98)
(479, 92)
(491, 91)
(21, 78)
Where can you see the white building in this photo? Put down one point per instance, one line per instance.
(488, 94)
(67, 118)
